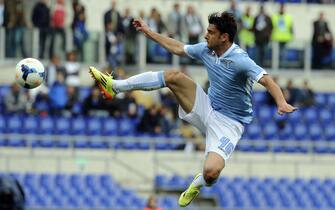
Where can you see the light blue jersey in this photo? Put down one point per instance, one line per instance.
(231, 77)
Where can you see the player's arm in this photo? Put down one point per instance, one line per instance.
(172, 45)
(275, 91)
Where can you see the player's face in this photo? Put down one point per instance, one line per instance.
(214, 37)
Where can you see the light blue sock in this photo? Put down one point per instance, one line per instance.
(200, 181)
(144, 81)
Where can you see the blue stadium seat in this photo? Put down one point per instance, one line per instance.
(4, 89)
(82, 143)
(295, 118)
(254, 131)
(46, 125)
(331, 100)
(321, 99)
(311, 115)
(326, 116)
(266, 113)
(94, 126)
(30, 124)
(62, 125)
(300, 132)
(110, 126)
(270, 131)
(78, 126)
(2, 124)
(315, 132)
(259, 97)
(286, 132)
(16, 141)
(127, 127)
(98, 142)
(14, 124)
(329, 132)
(47, 142)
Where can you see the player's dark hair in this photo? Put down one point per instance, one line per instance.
(225, 22)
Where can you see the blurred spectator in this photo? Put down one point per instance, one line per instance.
(193, 25)
(16, 26)
(130, 37)
(12, 196)
(58, 95)
(113, 25)
(150, 121)
(282, 31)
(78, 9)
(2, 13)
(80, 35)
(155, 21)
(292, 93)
(246, 34)
(128, 105)
(174, 23)
(41, 20)
(40, 101)
(142, 15)
(168, 99)
(156, 24)
(94, 102)
(72, 105)
(152, 204)
(52, 69)
(72, 68)
(307, 95)
(114, 52)
(15, 100)
(238, 17)
(167, 121)
(58, 25)
(322, 41)
(113, 17)
(262, 29)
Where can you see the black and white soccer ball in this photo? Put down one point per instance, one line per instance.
(30, 73)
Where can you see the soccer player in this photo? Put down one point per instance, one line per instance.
(220, 115)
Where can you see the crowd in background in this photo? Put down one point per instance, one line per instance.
(254, 31)
(154, 112)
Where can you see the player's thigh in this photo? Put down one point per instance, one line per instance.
(198, 116)
(183, 87)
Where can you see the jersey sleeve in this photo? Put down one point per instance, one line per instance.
(195, 51)
(253, 70)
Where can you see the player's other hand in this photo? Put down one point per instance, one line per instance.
(140, 25)
(286, 108)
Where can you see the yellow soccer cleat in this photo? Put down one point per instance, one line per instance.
(189, 194)
(104, 81)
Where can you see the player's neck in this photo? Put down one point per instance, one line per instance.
(223, 48)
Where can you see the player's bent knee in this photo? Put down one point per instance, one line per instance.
(211, 175)
(173, 77)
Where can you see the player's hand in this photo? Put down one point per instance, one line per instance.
(140, 25)
(286, 108)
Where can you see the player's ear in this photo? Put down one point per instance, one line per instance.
(225, 37)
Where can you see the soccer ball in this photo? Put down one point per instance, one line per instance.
(29, 73)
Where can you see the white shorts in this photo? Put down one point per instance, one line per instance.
(222, 133)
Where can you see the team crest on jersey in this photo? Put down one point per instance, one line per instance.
(227, 63)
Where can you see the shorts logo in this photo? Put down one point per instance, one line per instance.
(226, 146)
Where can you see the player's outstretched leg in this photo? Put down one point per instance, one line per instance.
(181, 85)
(213, 166)
(110, 87)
